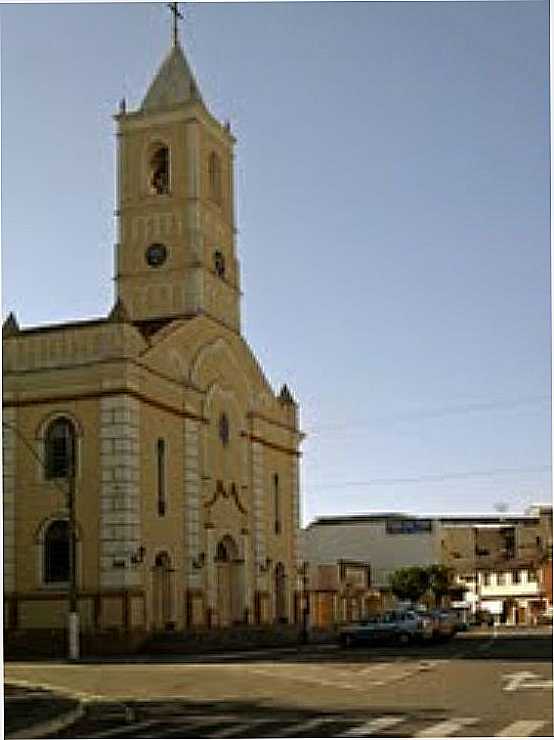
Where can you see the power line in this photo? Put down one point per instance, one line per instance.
(464, 475)
(438, 413)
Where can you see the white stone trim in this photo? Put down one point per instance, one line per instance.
(120, 512)
(9, 446)
(295, 491)
(193, 500)
(258, 495)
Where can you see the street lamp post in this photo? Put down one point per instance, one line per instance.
(73, 626)
(73, 629)
(305, 603)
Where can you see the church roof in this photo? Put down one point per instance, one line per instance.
(174, 83)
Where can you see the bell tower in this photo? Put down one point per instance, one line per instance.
(175, 252)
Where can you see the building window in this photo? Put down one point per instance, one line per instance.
(516, 576)
(60, 449)
(161, 476)
(486, 579)
(276, 504)
(501, 579)
(214, 173)
(219, 264)
(159, 171)
(56, 552)
(531, 576)
(224, 429)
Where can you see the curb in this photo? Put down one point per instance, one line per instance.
(53, 725)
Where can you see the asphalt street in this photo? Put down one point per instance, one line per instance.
(477, 685)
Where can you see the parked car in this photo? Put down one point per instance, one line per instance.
(392, 626)
(482, 617)
(445, 624)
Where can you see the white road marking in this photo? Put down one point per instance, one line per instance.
(524, 680)
(236, 729)
(447, 728)
(521, 728)
(299, 727)
(185, 720)
(374, 725)
(114, 731)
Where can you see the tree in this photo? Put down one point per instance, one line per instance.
(409, 583)
(439, 581)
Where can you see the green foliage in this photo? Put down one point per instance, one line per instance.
(409, 583)
(412, 583)
(439, 581)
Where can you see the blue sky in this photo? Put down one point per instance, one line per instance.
(392, 176)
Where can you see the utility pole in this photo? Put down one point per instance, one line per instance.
(73, 626)
(73, 629)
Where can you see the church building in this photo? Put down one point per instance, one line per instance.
(182, 461)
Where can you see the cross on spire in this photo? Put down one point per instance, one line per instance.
(174, 7)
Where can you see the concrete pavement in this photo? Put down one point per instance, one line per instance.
(442, 683)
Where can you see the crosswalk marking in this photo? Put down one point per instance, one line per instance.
(446, 728)
(299, 727)
(235, 729)
(521, 728)
(115, 731)
(374, 725)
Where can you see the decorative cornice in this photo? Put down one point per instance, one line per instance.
(102, 394)
(272, 445)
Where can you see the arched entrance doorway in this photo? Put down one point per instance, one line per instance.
(280, 593)
(229, 582)
(162, 592)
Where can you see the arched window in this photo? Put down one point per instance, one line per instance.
(276, 504)
(214, 173)
(219, 264)
(280, 593)
(60, 449)
(56, 552)
(161, 476)
(159, 171)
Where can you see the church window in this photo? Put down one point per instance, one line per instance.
(222, 554)
(214, 173)
(276, 504)
(56, 552)
(60, 449)
(159, 171)
(161, 476)
(219, 264)
(224, 429)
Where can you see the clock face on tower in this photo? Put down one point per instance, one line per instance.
(156, 255)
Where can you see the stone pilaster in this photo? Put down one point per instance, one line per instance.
(120, 523)
(211, 585)
(295, 491)
(193, 491)
(248, 602)
(258, 489)
(9, 444)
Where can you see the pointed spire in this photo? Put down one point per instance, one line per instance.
(285, 396)
(174, 83)
(10, 328)
(119, 313)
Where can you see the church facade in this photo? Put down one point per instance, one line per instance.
(185, 462)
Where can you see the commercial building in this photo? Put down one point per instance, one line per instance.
(499, 563)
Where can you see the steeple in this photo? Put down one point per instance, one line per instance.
(176, 253)
(174, 83)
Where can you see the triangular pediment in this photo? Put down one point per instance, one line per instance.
(174, 83)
